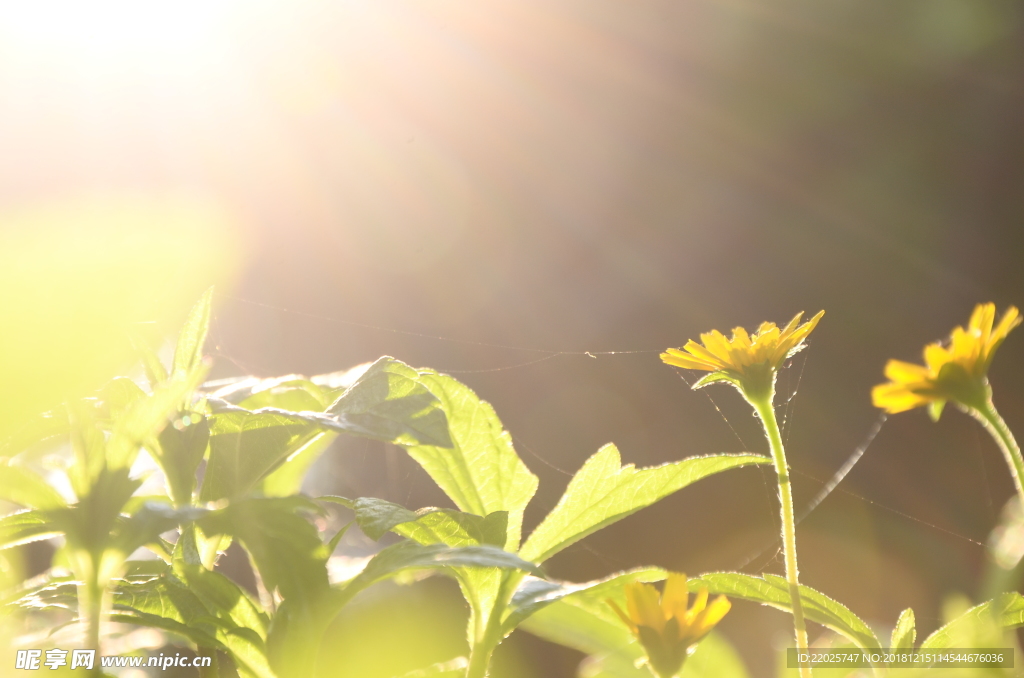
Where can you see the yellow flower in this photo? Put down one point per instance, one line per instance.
(666, 628)
(957, 371)
(748, 362)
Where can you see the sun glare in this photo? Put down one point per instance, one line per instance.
(112, 34)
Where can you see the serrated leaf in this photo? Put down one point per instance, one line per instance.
(285, 546)
(410, 555)
(205, 607)
(246, 446)
(188, 353)
(478, 468)
(223, 598)
(389, 403)
(905, 633)
(774, 591)
(603, 492)
(24, 527)
(196, 635)
(712, 378)
(1005, 611)
(34, 430)
(51, 594)
(376, 517)
(296, 395)
(25, 487)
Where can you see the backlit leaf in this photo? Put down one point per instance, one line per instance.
(774, 591)
(603, 492)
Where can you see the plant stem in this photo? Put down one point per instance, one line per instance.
(485, 644)
(91, 594)
(997, 428)
(766, 413)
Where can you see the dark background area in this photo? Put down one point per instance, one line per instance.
(495, 189)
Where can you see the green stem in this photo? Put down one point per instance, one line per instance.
(487, 642)
(997, 428)
(91, 595)
(766, 412)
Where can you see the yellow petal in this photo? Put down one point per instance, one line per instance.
(895, 398)
(644, 608)
(700, 601)
(676, 594)
(1011, 318)
(710, 617)
(716, 342)
(740, 337)
(935, 356)
(981, 319)
(899, 371)
(702, 353)
(791, 325)
(680, 359)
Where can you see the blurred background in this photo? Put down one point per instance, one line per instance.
(494, 189)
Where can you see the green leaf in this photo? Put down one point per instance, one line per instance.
(287, 478)
(774, 591)
(714, 377)
(155, 371)
(87, 443)
(389, 403)
(296, 634)
(410, 555)
(534, 594)
(25, 487)
(583, 620)
(179, 451)
(223, 598)
(148, 523)
(24, 527)
(188, 354)
(142, 420)
(905, 633)
(377, 517)
(54, 593)
(1005, 611)
(203, 606)
(478, 469)
(119, 394)
(246, 446)
(296, 395)
(714, 657)
(603, 492)
(285, 546)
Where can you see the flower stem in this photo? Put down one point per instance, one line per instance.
(766, 413)
(997, 428)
